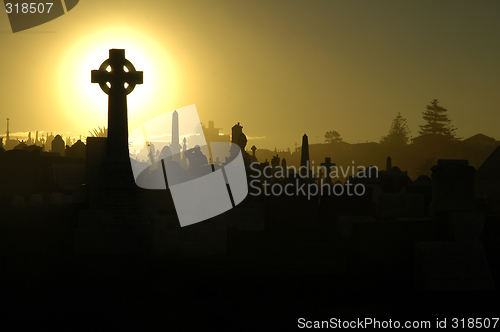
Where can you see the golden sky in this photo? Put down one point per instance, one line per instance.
(280, 68)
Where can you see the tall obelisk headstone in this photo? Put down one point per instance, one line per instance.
(304, 158)
(175, 147)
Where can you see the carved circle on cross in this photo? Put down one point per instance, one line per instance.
(121, 78)
(130, 69)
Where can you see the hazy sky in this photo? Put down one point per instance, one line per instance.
(280, 68)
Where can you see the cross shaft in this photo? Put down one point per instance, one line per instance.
(112, 72)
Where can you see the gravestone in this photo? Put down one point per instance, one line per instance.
(370, 179)
(77, 150)
(400, 205)
(117, 222)
(451, 265)
(253, 148)
(453, 195)
(275, 164)
(459, 262)
(422, 186)
(386, 246)
(68, 176)
(464, 225)
(115, 180)
(452, 186)
(328, 168)
(304, 170)
(57, 145)
(394, 180)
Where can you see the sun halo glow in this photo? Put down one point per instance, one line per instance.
(88, 102)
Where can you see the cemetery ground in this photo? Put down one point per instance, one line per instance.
(115, 257)
(268, 279)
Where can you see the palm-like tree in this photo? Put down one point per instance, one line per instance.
(102, 132)
(424, 166)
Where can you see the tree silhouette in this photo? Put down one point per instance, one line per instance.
(438, 122)
(424, 166)
(399, 134)
(102, 132)
(333, 137)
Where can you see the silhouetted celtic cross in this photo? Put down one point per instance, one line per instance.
(117, 77)
(118, 72)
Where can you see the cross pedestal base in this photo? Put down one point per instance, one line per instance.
(119, 220)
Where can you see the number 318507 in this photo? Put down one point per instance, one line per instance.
(26, 8)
